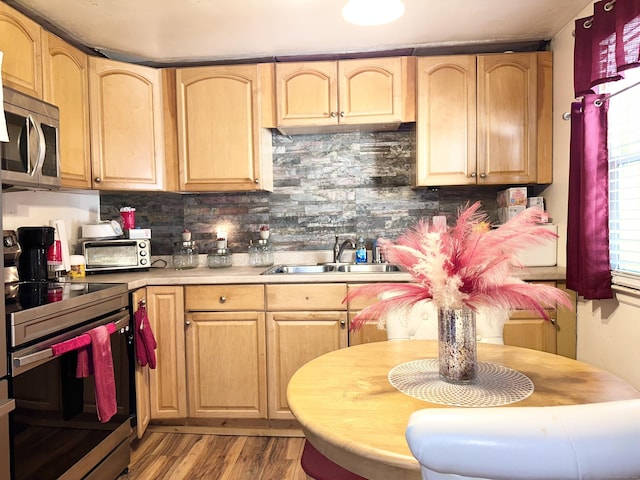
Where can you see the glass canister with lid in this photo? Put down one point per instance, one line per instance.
(261, 255)
(220, 258)
(185, 255)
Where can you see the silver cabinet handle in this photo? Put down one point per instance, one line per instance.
(341, 114)
(343, 324)
(332, 114)
(223, 299)
(187, 323)
(483, 175)
(98, 180)
(256, 181)
(473, 175)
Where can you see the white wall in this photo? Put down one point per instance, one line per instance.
(608, 331)
(21, 209)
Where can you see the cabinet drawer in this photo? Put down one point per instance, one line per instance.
(224, 297)
(317, 296)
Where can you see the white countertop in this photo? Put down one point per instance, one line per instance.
(244, 274)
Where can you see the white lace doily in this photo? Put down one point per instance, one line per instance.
(495, 385)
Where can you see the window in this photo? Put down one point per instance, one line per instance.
(624, 179)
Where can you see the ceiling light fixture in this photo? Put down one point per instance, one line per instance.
(372, 12)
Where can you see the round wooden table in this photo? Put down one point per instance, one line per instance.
(350, 412)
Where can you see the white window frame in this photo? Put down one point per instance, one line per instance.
(624, 200)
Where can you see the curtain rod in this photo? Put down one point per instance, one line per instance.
(611, 95)
(598, 103)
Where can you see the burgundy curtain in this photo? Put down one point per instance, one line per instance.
(606, 44)
(588, 271)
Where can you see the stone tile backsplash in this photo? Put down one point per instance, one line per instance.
(347, 184)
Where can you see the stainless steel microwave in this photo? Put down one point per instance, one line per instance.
(30, 159)
(116, 255)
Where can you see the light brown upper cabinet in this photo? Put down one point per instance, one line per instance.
(222, 145)
(127, 130)
(66, 84)
(372, 93)
(20, 40)
(484, 119)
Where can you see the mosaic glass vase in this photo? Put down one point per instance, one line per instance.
(457, 350)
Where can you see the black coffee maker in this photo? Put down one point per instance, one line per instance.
(34, 242)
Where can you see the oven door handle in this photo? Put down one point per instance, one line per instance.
(7, 407)
(32, 358)
(122, 324)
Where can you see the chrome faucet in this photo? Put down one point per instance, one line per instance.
(338, 248)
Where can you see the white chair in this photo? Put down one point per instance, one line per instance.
(421, 322)
(596, 441)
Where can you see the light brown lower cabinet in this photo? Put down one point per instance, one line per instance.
(141, 375)
(226, 367)
(168, 383)
(304, 321)
(229, 351)
(295, 338)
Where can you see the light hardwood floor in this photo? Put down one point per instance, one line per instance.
(177, 456)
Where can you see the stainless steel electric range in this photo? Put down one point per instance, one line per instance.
(54, 431)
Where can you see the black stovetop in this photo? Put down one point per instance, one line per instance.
(22, 296)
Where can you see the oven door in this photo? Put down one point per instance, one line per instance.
(55, 429)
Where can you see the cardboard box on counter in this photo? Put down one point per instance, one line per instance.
(507, 213)
(536, 202)
(139, 233)
(512, 197)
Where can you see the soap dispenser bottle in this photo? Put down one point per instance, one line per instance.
(361, 251)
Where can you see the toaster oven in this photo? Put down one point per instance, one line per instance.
(102, 256)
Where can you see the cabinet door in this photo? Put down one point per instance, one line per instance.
(446, 121)
(126, 126)
(507, 118)
(222, 146)
(307, 94)
(369, 332)
(143, 391)
(66, 84)
(165, 306)
(226, 365)
(545, 117)
(293, 339)
(528, 329)
(370, 91)
(20, 40)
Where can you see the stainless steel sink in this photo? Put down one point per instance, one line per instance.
(332, 268)
(299, 269)
(368, 268)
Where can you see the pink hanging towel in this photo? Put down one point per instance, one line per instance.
(144, 338)
(81, 343)
(102, 363)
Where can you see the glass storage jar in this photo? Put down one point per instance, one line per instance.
(219, 258)
(185, 255)
(253, 254)
(262, 254)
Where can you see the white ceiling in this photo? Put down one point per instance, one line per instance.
(179, 31)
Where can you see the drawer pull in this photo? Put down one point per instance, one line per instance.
(223, 299)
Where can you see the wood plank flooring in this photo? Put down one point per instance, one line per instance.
(177, 456)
